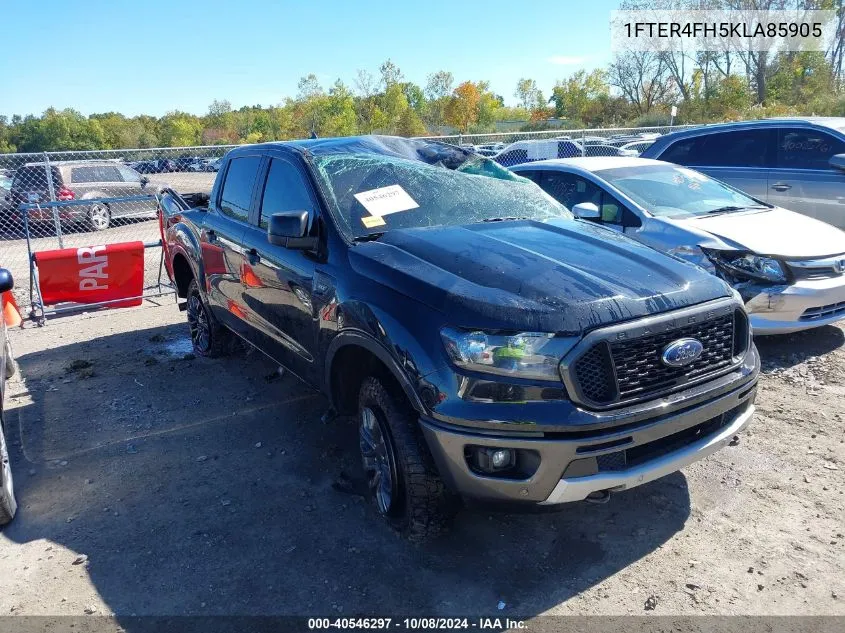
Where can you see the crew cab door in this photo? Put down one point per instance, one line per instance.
(277, 281)
(221, 240)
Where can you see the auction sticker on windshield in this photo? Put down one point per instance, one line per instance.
(386, 200)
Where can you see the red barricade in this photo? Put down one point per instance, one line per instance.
(92, 274)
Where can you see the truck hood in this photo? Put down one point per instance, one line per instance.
(772, 232)
(562, 276)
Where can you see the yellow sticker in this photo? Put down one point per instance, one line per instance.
(371, 221)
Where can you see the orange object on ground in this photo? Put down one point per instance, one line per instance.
(92, 274)
(11, 312)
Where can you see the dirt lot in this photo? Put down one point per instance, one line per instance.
(152, 482)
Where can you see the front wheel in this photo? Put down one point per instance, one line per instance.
(208, 337)
(401, 475)
(8, 504)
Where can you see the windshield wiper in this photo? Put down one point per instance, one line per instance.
(369, 237)
(730, 208)
(505, 219)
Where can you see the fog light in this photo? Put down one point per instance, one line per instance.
(491, 460)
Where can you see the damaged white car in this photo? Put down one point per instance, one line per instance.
(789, 268)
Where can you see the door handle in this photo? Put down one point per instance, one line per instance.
(780, 186)
(253, 257)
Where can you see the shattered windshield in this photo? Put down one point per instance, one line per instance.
(373, 193)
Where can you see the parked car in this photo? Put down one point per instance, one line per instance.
(528, 151)
(146, 167)
(637, 146)
(5, 200)
(8, 504)
(607, 150)
(82, 180)
(489, 346)
(787, 267)
(794, 163)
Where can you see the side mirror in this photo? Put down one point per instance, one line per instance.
(290, 229)
(586, 211)
(6, 281)
(837, 161)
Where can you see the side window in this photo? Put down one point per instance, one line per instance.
(679, 152)
(237, 188)
(285, 190)
(108, 174)
(83, 174)
(800, 148)
(129, 175)
(742, 148)
(614, 212)
(569, 189)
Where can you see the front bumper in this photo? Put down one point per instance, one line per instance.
(800, 306)
(573, 465)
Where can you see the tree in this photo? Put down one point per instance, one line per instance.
(439, 85)
(462, 108)
(365, 83)
(527, 94)
(309, 87)
(643, 78)
(573, 95)
(390, 74)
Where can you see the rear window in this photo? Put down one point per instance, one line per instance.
(801, 148)
(95, 173)
(34, 177)
(237, 188)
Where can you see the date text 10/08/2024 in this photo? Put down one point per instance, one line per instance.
(435, 624)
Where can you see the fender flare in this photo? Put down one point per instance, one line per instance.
(175, 248)
(361, 339)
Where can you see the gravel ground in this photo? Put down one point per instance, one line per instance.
(152, 482)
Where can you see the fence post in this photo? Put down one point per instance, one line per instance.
(583, 143)
(52, 189)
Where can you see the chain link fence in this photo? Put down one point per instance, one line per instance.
(88, 198)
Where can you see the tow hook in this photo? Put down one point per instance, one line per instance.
(598, 497)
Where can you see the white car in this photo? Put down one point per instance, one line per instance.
(788, 268)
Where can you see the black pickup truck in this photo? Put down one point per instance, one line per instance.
(491, 347)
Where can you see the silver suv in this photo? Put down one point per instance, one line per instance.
(798, 164)
(97, 181)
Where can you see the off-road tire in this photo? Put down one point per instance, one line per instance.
(424, 507)
(11, 363)
(219, 338)
(8, 504)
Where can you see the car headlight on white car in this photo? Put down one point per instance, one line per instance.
(533, 355)
(750, 266)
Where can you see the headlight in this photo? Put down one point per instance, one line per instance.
(525, 355)
(750, 266)
(693, 254)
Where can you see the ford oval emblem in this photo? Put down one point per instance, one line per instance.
(681, 352)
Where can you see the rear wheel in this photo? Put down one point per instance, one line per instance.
(99, 216)
(208, 337)
(402, 478)
(8, 504)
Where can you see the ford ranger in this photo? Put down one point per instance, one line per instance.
(489, 346)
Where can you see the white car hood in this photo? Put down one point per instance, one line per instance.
(772, 232)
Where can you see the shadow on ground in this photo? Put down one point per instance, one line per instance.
(788, 350)
(205, 487)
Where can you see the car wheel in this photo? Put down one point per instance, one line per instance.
(208, 338)
(99, 216)
(8, 504)
(11, 364)
(401, 476)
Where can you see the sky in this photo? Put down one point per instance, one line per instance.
(155, 56)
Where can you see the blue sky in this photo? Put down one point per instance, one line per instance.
(153, 56)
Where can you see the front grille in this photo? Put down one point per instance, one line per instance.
(823, 312)
(624, 370)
